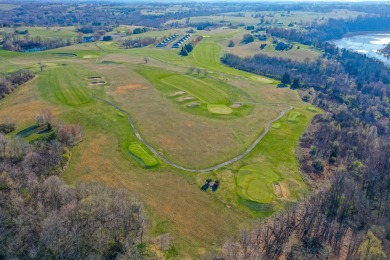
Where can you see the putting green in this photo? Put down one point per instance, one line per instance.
(219, 109)
(139, 151)
(260, 191)
(254, 183)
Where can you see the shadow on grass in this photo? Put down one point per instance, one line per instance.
(27, 131)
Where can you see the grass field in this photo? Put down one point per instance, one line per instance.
(65, 85)
(281, 19)
(8, 6)
(193, 137)
(141, 152)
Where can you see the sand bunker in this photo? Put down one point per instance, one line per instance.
(237, 105)
(186, 98)
(123, 89)
(93, 78)
(101, 82)
(193, 104)
(277, 190)
(178, 93)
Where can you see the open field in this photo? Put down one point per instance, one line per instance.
(8, 6)
(190, 136)
(51, 32)
(281, 19)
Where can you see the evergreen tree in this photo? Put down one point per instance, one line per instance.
(286, 79)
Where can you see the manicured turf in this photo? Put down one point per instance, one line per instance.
(207, 54)
(275, 125)
(292, 116)
(254, 182)
(198, 88)
(219, 109)
(141, 152)
(65, 85)
(312, 109)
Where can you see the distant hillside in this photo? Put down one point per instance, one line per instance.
(386, 50)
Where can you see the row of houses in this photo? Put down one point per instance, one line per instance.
(167, 41)
(181, 41)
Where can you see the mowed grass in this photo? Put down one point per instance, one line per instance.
(293, 115)
(254, 182)
(205, 92)
(219, 109)
(207, 54)
(66, 85)
(142, 153)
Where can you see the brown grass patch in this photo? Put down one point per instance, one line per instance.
(23, 105)
(124, 89)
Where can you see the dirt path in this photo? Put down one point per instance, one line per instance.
(215, 167)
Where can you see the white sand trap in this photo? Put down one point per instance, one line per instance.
(97, 83)
(94, 78)
(178, 93)
(277, 190)
(193, 104)
(237, 105)
(186, 98)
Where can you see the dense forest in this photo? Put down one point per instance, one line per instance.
(347, 150)
(43, 218)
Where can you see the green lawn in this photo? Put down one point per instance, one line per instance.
(205, 92)
(254, 183)
(66, 85)
(292, 116)
(219, 109)
(141, 152)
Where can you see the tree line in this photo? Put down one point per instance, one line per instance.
(12, 81)
(13, 42)
(43, 218)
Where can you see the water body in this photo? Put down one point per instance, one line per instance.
(366, 43)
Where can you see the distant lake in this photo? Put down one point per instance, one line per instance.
(366, 43)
